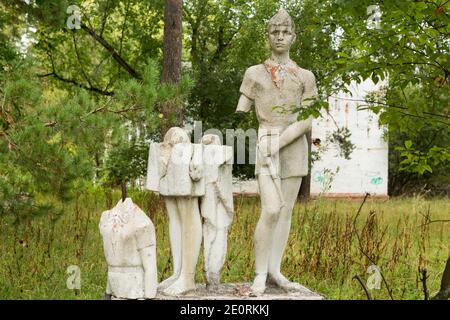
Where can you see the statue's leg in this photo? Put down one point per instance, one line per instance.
(217, 244)
(208, 214)
(175, 240)
(217, 255)
(270, 211)
(191, 235)
(208, 239)
(290, 188)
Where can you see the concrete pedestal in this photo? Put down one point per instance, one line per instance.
(241, 291)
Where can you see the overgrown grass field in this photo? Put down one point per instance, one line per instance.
(329, 244)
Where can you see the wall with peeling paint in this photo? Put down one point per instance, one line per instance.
(367, 170)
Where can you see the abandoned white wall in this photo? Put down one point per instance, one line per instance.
(367, 169)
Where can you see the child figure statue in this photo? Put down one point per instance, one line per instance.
(175, 171)
(216, 205)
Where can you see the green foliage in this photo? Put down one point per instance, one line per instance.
(414, 171)
(56, 139)
(420, 162)
(341, 137)
(411, 52)
(126, 161)
(137, 102)
(17, 197)
(20, 90)
(46, 160)
(224, 39)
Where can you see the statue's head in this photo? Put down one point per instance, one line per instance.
(210, 139)
(281, 32)
(176, 135)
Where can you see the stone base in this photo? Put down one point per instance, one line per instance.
(241, 291)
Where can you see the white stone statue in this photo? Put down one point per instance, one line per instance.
(130, 249)
(282, 150)
(175, 171)
(216, 205)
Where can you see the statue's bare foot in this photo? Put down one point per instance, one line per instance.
(179, 287)
(168, 282)
(282, 282)
(259, 285)
(213, 281)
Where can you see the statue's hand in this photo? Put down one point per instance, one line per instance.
(195, 171)
(264, 161)
(165, 148)
(268, 146)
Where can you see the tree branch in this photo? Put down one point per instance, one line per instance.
(79, 60)
(382, 104)
(71, 81)
(104, 18)
(357, 277)
(112, 51)
(423, 279)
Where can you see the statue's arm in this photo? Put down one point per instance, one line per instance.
(289, 135)
(148, 258)
(244, 104)
(146, 244)
(295, 131)
(196, 164)
(247, 90)
(165, 153)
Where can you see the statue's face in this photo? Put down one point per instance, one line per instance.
(281, 38)
(210, 139)
(176, 135)
(179, 136)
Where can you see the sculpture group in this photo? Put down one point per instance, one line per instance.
(195, 180)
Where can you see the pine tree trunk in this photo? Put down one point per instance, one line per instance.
(171, 73)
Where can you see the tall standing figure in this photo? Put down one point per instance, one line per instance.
(274, 88)
(181, 184)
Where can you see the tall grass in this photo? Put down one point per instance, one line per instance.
(327, 247)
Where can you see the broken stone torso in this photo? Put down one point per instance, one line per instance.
(126, 229)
